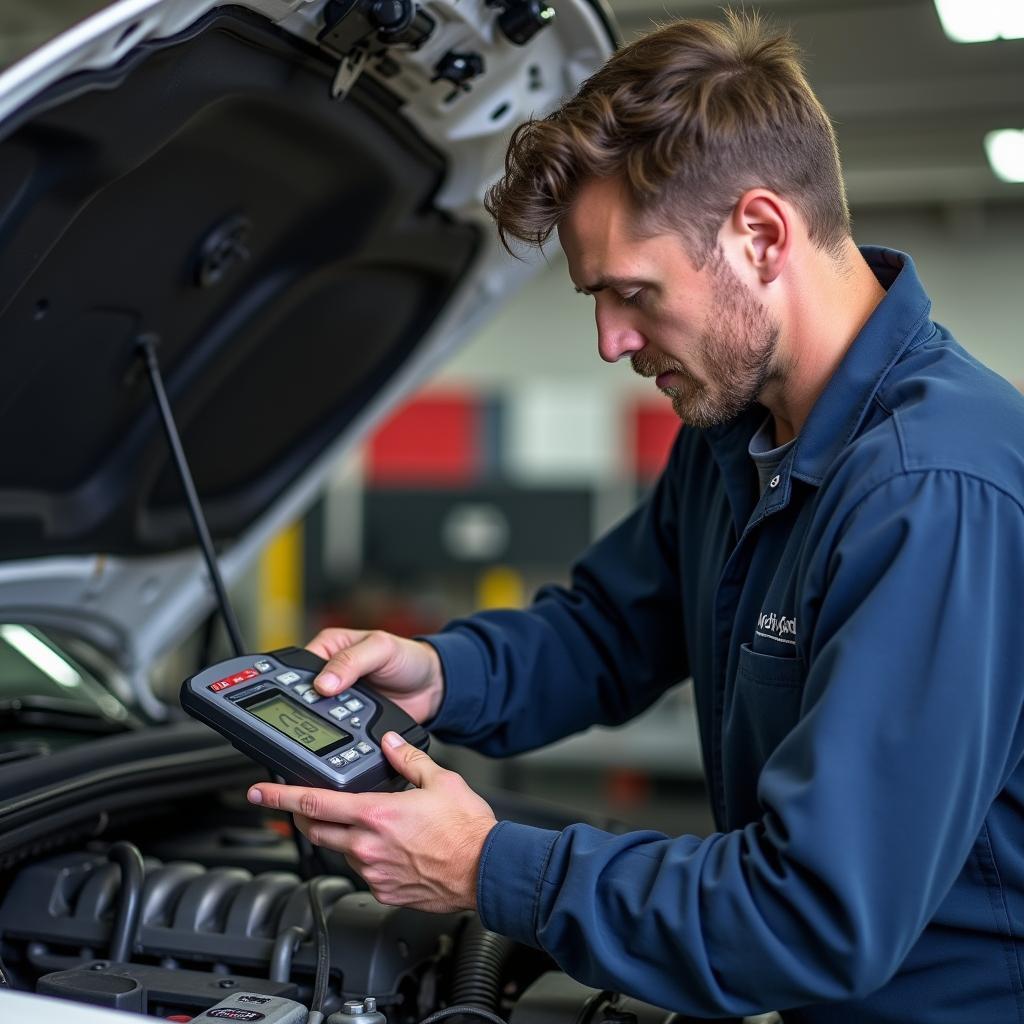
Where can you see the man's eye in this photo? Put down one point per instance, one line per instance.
(632, 299)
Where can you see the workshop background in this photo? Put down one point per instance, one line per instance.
(527, 446)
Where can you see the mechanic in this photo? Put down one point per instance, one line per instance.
(835, 553)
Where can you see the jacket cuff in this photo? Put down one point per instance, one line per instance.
(465, 672)
(512, 868)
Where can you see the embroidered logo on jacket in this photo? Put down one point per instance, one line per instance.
(773, 626)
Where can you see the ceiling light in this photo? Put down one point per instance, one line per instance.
(1005, 150)
(47, 660)
(981, 21)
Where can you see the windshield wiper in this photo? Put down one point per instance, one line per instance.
(40, 712)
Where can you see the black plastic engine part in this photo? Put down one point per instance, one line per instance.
(83, 786)
(146, 989)
(58, 913)
(554, 998)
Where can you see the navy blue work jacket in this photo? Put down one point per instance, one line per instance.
(854, 640)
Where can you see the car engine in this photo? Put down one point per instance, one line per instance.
(120, 930)
(133, 877)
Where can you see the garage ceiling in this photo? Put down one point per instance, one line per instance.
(910, 106)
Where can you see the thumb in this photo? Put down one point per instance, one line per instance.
(410, 762)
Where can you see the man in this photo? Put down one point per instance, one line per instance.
(834, 552)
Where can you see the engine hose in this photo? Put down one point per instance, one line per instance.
(129, 904)
(479, 965)
(323, 946)
(285, 945)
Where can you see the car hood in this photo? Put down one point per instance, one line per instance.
(293, 211)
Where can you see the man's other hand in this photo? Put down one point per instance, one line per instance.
(407, 672)
(419, 848)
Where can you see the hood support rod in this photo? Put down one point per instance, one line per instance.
(147, 350)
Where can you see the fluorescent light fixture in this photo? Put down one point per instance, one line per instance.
(981, 21)
(47, 660)
(1005, 149)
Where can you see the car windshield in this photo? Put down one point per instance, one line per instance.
(26, 24)
(50, 698)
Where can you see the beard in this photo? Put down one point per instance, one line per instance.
(737, 348)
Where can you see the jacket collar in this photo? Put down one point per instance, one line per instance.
(840, 409)
(893, 326)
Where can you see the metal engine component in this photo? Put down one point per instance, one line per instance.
(252, 1006)
(359, 1011)
(59, 914)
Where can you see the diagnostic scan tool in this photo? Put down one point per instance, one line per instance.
(266, 706)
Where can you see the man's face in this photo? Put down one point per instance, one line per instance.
(709, 344)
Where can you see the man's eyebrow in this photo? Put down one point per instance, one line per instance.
(610, 282)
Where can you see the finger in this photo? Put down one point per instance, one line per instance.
(410, 762)
(325, 833)
(366, 655)
(333, 639)
(323, 804)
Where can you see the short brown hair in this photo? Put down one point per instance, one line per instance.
(691, 115)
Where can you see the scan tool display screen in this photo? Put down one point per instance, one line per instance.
(292, 719)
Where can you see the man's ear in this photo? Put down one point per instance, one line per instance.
(761, 224)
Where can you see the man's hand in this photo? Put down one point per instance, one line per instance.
(419, 848)
(407, 672)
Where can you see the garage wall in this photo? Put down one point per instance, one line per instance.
(971, 260)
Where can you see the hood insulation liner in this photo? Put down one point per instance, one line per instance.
(281, 245)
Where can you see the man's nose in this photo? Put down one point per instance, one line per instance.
(616, 337)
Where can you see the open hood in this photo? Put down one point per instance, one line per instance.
(287, 194)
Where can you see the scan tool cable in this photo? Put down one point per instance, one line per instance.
(323, 953)
(129, 904)
(147, 347)
(464, 1011)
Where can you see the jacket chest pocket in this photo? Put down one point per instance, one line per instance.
(765, 703)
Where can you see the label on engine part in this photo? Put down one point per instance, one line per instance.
(231, 1013)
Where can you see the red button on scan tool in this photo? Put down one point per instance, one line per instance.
(241, 677)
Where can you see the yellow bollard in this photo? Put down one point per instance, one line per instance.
(279, 608)
(500, 587)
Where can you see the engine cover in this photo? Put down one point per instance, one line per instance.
(58, 914)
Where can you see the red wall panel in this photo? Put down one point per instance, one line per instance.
(434, 440)
(654, 427)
